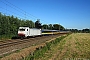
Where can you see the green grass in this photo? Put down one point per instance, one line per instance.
(39, 53)
(6, 37)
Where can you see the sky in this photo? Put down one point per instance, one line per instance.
(72, 14)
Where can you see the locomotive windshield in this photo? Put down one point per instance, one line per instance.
(21, 29)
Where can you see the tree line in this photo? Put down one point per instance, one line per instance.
(86, 30)
(48, 26)
(9, 25)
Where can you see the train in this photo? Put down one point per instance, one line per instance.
(32, 32)
(27, 32)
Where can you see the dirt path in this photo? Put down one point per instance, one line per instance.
(74, 47)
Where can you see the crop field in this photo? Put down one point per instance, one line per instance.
(73, 47)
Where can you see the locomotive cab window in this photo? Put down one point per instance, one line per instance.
(27, 29)
(21, 29)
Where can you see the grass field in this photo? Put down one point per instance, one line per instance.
(74, 47)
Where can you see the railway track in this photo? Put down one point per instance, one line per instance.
(4, 44)
(9, 45)
(13, 43)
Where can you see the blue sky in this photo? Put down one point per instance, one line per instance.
(68, 13)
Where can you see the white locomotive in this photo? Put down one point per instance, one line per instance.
(27, 32)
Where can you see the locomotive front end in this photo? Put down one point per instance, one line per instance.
(21, 32)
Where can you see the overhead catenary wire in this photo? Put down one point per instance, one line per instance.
(11, 12)
(22, 14)
(21, 9)
(18, 9)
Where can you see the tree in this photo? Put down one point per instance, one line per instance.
(45, 26)
(9, 25)
(56, 26)
(85, 30)
(50, 26)
(38, 24)
(62, 28)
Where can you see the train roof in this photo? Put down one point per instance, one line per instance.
(49, 30)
